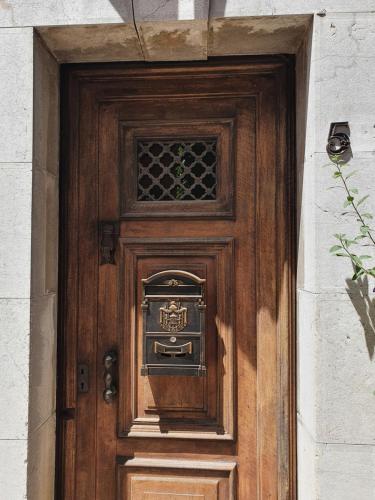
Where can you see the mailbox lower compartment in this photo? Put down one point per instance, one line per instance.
(166, 355)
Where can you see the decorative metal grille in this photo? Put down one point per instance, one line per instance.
(170, 170)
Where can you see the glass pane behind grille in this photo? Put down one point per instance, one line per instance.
(172, 170)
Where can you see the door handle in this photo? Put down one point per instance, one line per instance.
(171, 350)
(109, 363)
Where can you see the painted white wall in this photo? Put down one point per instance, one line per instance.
(336, 371)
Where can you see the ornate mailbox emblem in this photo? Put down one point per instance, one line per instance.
(173, 324)
(173, 317)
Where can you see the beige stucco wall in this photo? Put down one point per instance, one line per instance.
(335, 75)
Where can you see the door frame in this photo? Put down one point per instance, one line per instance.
(71, 76)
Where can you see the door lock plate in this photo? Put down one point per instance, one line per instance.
(83, 378)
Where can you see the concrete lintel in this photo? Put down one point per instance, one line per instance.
(92, 43)
(172, 31)
(257, 35)
(176, 40)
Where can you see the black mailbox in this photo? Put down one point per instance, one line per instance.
(173, 324)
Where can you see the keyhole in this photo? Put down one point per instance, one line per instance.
(82, 382)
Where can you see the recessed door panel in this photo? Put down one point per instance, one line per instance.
(155, 479)
(177, 405)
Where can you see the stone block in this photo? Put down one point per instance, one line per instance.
(15, 228)
(239, 8)
(174, 41)
(13, 480)
(46, 133)
(172, 10)
(42, 360)
(172, 31)
(306, 452)
(256, 35)
(41, 462)
(14, 369)
(346, 472)
(305, 96)
(39, 233)
(345, 72)
(307, 321)
(93, 43)
(331, 194)
(45, 220)
(16, 94)
(309, 6)
(52, 234)
(332, 272)
(306, 227)
(345, 368)
(320, 214)
(68, 12)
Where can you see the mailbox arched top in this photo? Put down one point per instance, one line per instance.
(172, 277)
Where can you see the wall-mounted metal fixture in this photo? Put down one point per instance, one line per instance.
(173, 324)
(338, 143)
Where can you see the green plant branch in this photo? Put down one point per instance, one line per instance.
(342, 250)
(356, 261)
(350, 197)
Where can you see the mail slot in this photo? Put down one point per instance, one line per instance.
(173, 312)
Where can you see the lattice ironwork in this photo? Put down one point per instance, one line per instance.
(176, 170)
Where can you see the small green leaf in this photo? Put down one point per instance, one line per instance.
(354, 190)
(365, 257)
(356, 259)
(364, 229)
(342, 255)
(337, 174)
(367, 216)
(362, 200)
(335, 248)
(358, 274)
(351, 174)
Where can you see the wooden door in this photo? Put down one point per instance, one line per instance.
(177, 168)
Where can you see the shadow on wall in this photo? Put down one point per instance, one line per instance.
(150, 9)
(123, 8)
(358, 292)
